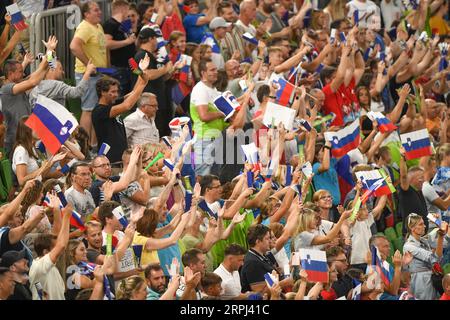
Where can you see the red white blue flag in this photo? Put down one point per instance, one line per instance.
(16, 17)
(384, 125)
(315, 264)
(344, 140)
(52, 122)
(284, 92)
(374, 183)
(417, 144)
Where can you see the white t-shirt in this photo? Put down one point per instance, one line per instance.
(304, 239)
(127, 263)
(203, 95)
(231, 282)
(360, 233)
(391, 11)
(21, 156)
(44, 271)
(364, 10)
(430, 194)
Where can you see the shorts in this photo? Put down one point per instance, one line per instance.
(90, 99)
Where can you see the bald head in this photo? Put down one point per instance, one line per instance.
(232, 68)
(247, 11)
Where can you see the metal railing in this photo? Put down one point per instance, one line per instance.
(62, 23)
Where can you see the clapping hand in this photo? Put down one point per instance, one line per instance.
(51, 43)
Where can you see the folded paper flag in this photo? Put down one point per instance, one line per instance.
(250, 38)
(305, 124)
(342, 37)
(435, 220)
(104, 149)
(107, 71)
(417, 144)
(187, 200)
(52, 123)
(269, 279)
(332, 35)
(344, 140)
(166, 141)
(307, 169)
(288, 175)
(154, 17)
(209, 40)
(204, 206)
(126, 26)
(137, 250)
(120, 215)
(285, 91)
(251, 153)
(227, 104)
(276, 113)
(315, 264)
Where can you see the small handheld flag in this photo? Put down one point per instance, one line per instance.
(187, 200)
(107, 71)
(52, 122)
(332, 35)
(134, 67)
(126, 26)
(276, 113)
(269, 279)
(250, 38)
(435, 220)
(137, 250)
(307, 169)
(250, 178)
(285, 91)
(288, 175)
(315, 264)
(17, 19)
(417, 144)
(64, 169)
(251, 153)
(384, 125)
(104, 149)
(356, 293)
(204, 206)
(344, 140)
(342, 37)
(120, 215)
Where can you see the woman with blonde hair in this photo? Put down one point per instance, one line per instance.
(132, 288)
(308, 235)
(424, 256)
(335, 10)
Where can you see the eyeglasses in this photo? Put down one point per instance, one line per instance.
(215, 187)
(104, 166)
(412, 215)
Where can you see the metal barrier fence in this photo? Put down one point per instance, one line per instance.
(62, 23)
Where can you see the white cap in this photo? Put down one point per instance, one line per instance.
(218, 22)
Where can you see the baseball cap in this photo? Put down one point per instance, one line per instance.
(11, 257)
(146, 33)
(218, 22)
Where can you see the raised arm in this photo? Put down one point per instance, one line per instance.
(333, 232)
(404, 183)
(8, 211)
(63, 236)
(132, 98)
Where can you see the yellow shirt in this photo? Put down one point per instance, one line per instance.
(440, 24)
(148, 256)
(94, 45)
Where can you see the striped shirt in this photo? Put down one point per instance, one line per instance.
(140, 129)
(233, 41)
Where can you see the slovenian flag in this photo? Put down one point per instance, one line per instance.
(64, 169)
(185, 70)
(417, 144)
(180, 91)
(75, 218)
(251, 153)
(210, 41)
(288, 175)
(382, 267)
(344, 140)
(384, 125)
(168, 164)
(345, 177)
(356, 293)
(227, 104)
(435, 220)
(52, 122)
(315, 264)
(374, 183)
(250, 38)
(126, 26)
(442, 176)
(137, 250)
(16, 17)
(120, 215)
(187, 200)
(104, 149)
(284, 92)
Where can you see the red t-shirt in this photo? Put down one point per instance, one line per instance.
(343, 103)
(445, 297)
(328, 295)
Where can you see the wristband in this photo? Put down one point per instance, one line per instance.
(327, 147)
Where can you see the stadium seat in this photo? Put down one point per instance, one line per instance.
(398, 229)
(446, 268)
(398, 244)
(390, 234)
(6, 174)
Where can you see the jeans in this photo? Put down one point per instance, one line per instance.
(90, 99)
(205, 153)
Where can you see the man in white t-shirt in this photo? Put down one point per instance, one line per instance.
(208, 120)
(366, 10)
(43, 271)
(228, 270)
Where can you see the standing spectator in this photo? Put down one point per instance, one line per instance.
(157, 76)
(17, 263)
(194, 260)
(208, 120)
(78, 194)
(89, 44)
(219, 27)
(140, 126)
(391, 10)
(105, 116)
(43, 270)
(424, 257)
(120, 44)
(228, 270)
(54, 88)
(410, 196)
(169, 18)
(195, 22)
(14, 99)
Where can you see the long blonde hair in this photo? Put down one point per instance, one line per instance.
(306, 218)
(412, 221)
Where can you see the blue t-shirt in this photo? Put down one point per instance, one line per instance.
(194, 33)
(327, 180)
(166, 255)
